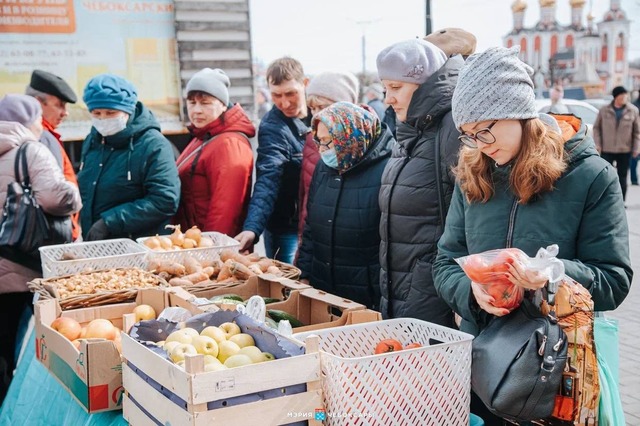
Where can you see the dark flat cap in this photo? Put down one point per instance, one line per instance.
(52, 85)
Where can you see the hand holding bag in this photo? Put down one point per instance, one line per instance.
(24, 225)
(518, 360)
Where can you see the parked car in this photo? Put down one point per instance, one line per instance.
(588, 113)
(599, 102)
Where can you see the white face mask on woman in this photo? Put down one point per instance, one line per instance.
(110, 126)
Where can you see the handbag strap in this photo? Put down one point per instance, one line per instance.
(21, 160)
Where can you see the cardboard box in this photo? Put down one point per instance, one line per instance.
(157, 391)
(318, 310)
(93, 374)
(265, 285)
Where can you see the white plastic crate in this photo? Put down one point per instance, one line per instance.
(220, 242)
(430, 385)
(91, 256)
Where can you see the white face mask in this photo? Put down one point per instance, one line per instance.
(110, 126)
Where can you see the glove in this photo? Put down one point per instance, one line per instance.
(98, 231)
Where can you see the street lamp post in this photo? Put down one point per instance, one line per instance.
(428, 17)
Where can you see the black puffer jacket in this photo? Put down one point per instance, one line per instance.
(340, 244)
(412, 215)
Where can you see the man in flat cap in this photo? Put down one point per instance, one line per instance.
(54, 93)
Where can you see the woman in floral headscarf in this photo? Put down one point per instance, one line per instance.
(341, 241)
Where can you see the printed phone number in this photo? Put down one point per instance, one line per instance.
(42, 53)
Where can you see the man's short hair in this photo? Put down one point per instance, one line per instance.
(285, 69)
(41, 96)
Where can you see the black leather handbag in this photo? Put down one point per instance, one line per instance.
(518, 360)
(24, 226)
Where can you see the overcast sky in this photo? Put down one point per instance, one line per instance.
(327, 34)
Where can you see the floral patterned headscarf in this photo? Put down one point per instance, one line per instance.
(353, 129)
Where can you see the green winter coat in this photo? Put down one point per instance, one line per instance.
(130, 179)
(584, 215)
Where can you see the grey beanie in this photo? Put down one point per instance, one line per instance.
(494, 85)
(411, 61)
(21, 109)
(335, 86)
(215, 82)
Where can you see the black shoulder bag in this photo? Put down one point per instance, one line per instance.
(518, 360)
(24, 226)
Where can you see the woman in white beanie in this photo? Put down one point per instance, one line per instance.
(323, 90)
(522, 184)
(216, 167)
(417, 184)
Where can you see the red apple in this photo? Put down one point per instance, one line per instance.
(101, 328)
(68, 327)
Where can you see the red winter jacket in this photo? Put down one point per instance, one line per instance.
(216, 196)
(310, 157)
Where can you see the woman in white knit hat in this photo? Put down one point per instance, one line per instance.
(521, 184)
(216, 167)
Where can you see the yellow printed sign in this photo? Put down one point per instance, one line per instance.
(37, 16)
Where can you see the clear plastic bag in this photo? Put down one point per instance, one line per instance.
(490, 269)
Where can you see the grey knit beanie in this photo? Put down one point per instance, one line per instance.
(21, 109)
(493, 85)
(411, 61)
(215, 82)
(335, 86)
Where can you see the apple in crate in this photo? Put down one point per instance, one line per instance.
(101, 328)
(144, 313)
(184, 335)
(230, 329)
(180, 351)
(227, 349)
(237, 360)
(205, 345)
(68, 327)
(242, 340)
(215, 333)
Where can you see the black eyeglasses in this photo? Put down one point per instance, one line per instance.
(482, 135)
(321, 144)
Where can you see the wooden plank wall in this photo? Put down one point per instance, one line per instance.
(217, 34)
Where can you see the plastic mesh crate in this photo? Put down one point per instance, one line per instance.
(220, 242)
(427, 386)
(91, 256)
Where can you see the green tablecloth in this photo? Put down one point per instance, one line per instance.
(36, 398)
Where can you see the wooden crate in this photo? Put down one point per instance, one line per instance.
(160, 392)
(265, 285)
(92, 374)
(318, 310)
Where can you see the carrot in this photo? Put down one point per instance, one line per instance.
(264, 264)
(254, 257)
(241, 271)
(196, 276)
(208, 270)
(225, 273)
(255, 268)
(274, 270)
(191, 265)
(179, 282)
(228, 254)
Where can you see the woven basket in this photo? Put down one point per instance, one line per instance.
(211, 285)
(48, 289)
(288, 271)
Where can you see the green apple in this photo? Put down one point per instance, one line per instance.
(242, 340)
(227, 349)
(230, 329)
(215, 333)
(160, 344)
(208, 359)
(205, 345)
(168, 346)
(237, 360)
(268, 356)
(190, 331)
(212, 366)
(180, 364)
(252, 352)
(181, 336)
(183, 349)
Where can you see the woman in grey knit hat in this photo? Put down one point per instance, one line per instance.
(521, 184)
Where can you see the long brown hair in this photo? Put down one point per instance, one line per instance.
(535, 169)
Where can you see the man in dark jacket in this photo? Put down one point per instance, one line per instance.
(417, 183)
(281, 137)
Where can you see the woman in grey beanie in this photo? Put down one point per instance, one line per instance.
(417, 183)
(522, 184)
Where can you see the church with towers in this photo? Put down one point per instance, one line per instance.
(587, 54)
